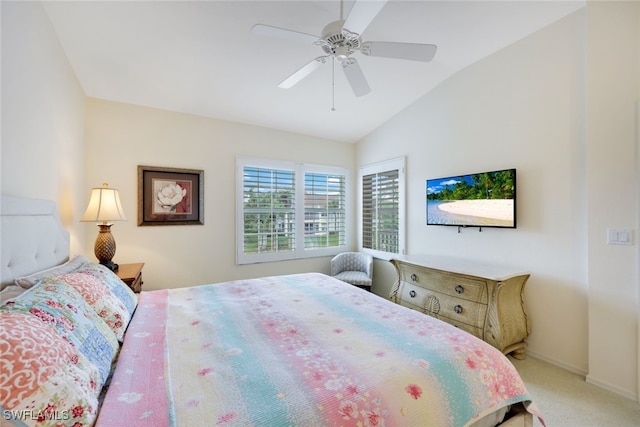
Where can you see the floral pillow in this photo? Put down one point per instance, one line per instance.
(117, 287)
(81, 264)
(61, 308)
(106, 305)
(44, 378)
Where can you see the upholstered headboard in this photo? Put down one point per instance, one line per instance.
(32, 237)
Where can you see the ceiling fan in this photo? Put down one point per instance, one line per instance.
(341, 39)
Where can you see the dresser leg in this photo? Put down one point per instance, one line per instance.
(518, 351)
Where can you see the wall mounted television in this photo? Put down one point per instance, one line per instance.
(485, 199)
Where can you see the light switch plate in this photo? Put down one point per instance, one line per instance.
(619, 236)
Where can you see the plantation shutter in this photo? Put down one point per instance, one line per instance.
(381, 211)
(268, 210)
(324, 210)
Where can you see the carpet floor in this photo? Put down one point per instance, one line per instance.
(567, 400)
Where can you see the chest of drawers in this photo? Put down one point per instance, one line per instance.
(486, 301)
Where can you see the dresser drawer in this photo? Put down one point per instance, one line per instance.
(459, 286)
(440, 305)
(467, 328)
(409, 304)
(413, 296)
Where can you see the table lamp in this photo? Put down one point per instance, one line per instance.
(104, 206)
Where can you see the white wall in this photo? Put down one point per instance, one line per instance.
(43, 109)
(613, 81)
(120, 137)
(524, 107)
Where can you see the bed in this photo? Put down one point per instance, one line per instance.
(77, 347)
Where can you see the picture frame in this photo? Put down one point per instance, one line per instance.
(170, 196)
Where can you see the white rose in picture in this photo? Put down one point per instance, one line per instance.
(170, 195)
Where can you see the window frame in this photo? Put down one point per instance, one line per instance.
(398, 164)
(299, 169)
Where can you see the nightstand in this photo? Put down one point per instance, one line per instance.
(131, 274)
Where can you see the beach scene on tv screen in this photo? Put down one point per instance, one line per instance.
(483, 199)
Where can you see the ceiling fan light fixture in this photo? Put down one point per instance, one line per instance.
(341, 53)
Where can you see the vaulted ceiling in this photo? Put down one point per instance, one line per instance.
(200, 57)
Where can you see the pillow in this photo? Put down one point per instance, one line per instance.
(118, 288)
(43, 376)
(99, 297)
(81, 264)
(61, 308)
(69, 266)
(10, 291)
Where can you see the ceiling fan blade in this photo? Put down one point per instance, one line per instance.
(355, 77)
(303, 72)
(361, 15)
(410, 51)
(282, 33)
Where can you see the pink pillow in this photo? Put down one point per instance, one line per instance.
(98, 296)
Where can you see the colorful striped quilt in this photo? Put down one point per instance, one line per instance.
(300, 350)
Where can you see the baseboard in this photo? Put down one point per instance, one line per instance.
(557, 363)
(588, 378)
(617, 390)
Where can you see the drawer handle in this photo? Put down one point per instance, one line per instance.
(459, 289)
(414, 277)
(412, 293)
(458, 308)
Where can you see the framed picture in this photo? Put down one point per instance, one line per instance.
(170, 196)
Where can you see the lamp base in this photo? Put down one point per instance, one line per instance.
(105, 247)
(110, 265)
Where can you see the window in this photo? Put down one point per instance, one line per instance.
(268, 210)
(289, 210)
(324, 210)
(382, 208)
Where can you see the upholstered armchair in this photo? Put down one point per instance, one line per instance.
(355, 268)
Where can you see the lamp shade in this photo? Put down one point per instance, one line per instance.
(104, 205)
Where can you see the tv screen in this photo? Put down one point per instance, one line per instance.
(485, 199)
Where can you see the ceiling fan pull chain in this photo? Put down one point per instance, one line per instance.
(333, 85)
